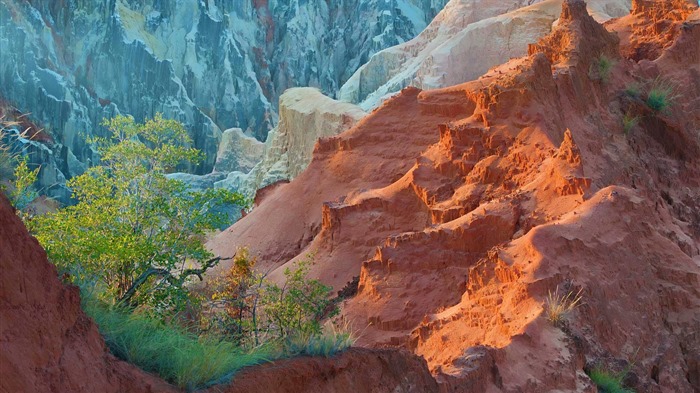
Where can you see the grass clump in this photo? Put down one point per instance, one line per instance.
(181, 358)
(601, 68)
(333, 339)
(608, 381)
(558, 305)
(660, 96)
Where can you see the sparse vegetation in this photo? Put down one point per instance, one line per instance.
(660, 96)
(608, 381)
(179, 357)
(249, 309)
(629, 121)
(601, 68)
(137, 237)
(559, 305)
(16, 178)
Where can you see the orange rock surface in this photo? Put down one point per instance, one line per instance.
(460, 209)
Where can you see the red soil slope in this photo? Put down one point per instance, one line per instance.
(47, 343)
(461, 208)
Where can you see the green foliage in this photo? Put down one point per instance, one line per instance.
(601, 68)
(298, 307)
(249, 309)
(660, 96)
(559, 305)
(629, 122)
(137, 232)
(607, 381)
(23, 192)
(177, 356)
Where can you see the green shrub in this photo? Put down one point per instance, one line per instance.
(299, 306)
(601, 68)
(607, 381)
(660, 96)
(138, 231)
(188, 361)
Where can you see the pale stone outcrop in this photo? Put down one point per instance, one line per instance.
(464, 40)
(238, 152)
(305, 116)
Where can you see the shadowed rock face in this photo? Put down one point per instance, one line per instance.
(47, 343)
(213, 65)
(460, 208)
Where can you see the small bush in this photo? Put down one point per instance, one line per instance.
(558, 306)
(607, 381)
(601, 68)
(176, 355)
(660, 96)
(629, 122)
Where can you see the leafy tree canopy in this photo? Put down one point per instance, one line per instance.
(138, 235)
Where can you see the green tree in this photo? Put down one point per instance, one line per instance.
(138, 235)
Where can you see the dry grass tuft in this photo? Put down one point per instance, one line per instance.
(559, 305)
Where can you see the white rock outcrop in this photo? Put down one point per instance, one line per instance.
(238, 152)
(305, 116)
(463, 41)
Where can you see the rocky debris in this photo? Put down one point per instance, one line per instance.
(213, 66)
(464, 40)
(353, 371)
(461, 208)
(47, 343)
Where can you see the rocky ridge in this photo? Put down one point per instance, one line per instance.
(463, 41)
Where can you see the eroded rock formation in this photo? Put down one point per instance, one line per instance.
(461, 208)
(463, 42)
(305, 116)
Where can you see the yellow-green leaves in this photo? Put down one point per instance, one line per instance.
(133, 230)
